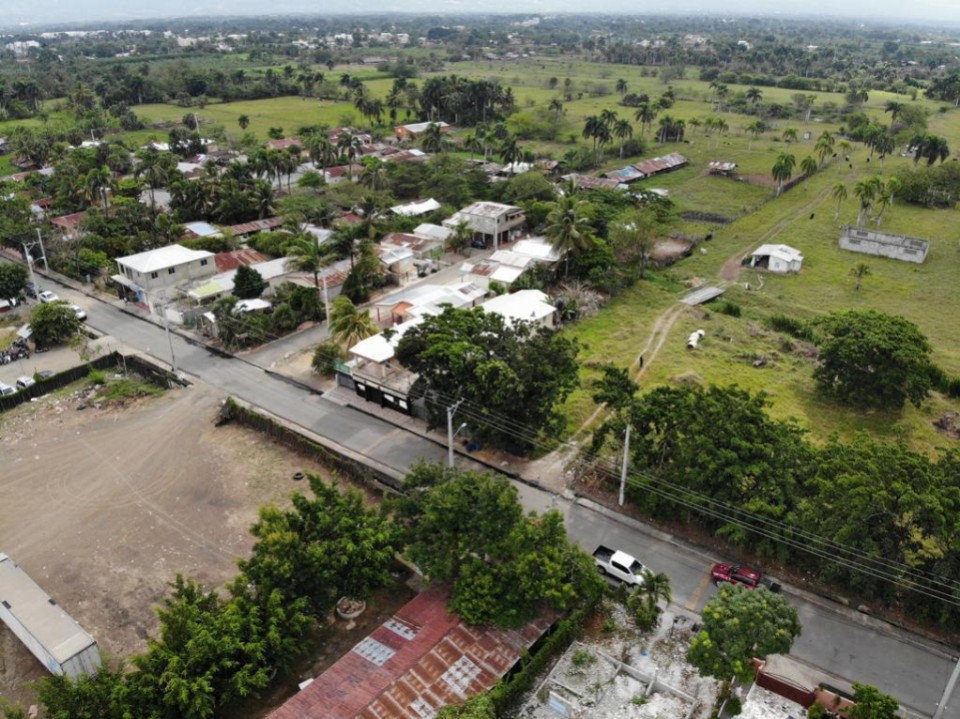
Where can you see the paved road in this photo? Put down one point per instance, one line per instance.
(844, 643)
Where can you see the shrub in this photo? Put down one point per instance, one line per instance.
(729, 308)
(792, 326)
(325, 357)
(734, 706)
(97, 377)
(816, 711)
(582, 658)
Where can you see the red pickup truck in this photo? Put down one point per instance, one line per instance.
(735, 574)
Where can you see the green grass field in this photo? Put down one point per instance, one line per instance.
(803, 217)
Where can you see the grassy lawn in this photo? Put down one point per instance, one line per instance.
(803, 217)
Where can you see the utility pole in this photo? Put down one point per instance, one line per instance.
(33, 277)
(43, 251)
(451, 410)
(166, 327)
(623, 469)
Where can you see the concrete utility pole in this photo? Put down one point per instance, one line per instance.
(33, 277)
(623, 469)
(43, 251)
(451, 410)
(166, 327)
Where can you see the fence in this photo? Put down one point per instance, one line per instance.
(151, 372)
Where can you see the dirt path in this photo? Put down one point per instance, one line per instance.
(731, 268)
(551, 469)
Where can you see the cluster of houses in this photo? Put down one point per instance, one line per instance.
(372, 371)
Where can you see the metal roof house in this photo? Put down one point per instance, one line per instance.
(421, 659)
(777, 258)
(51, 635)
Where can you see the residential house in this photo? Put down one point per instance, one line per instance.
(776, 258)
(398, 261)
(523, 306)
(415, 209)
(227, 261)
(150, 278)
(434, 232)
(285, 143)
(68, 226)
(423, 248)
(245, 229)
(414, 130)
(418, 661)
(490, 222)
(198, 230)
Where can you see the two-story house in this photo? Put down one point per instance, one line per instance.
(151, 278)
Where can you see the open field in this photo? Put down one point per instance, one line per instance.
(103, 507)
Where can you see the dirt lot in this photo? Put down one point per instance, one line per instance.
(103, 507)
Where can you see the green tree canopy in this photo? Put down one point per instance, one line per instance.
(872, 703)
(716, 441)
(53, 323)
(871, 359)
(325, 547)
(738, 625)
(468, 529)
(13, 278)
(511, 376)
(248, 283)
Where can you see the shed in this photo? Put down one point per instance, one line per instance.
(871, 242)
(777, 258)
(51, 635)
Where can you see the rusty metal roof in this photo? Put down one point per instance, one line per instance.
(227, 261)
(418, 661)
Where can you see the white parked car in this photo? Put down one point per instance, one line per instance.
(78, 311)
(6, 389)
(24, 382)
(47, 296)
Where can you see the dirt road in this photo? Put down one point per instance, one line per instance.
(104, 507)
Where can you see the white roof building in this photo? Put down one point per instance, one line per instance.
(434, 232)
(777, 258)
(525, 305)
(201, 229)
(163, 258)
(415, 209)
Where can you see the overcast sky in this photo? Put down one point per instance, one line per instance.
(47, 12)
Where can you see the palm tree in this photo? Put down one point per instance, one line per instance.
(789, 135)
(432, 138)
(622, 130)
(645, 115)
(824, 146)
(510, 151)
(568, 230)
(754, 95)
(894, 108)
(374, 174)
(348, 325)
(756, 128)
(458, 240)
(303, 254)
(884, 144)
(866, 191)
(97, 182)
(808, 166)
(622, 87)
(858, 272)
(244, 122)
(839, 194)
(783, 169)
(556, 107)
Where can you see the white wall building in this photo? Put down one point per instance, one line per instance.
(151, 276)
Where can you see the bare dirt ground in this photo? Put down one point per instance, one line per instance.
(103, 507)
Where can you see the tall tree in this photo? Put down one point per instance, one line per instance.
(870, 359)
(513, 373)
(568, 228)
(738, 625)
(839, 193)
(783, 169)
(349, 325)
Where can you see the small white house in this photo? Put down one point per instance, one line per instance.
(149, 277)
(777, 258)
(524, 305)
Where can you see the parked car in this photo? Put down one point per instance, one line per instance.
(619, 565)
(47, 296)
(735, 574)
(79, 312)
(6, 389)
(24, 382)
(30, 289)
(45, 374)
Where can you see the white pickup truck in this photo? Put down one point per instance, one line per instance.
(619, 565)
